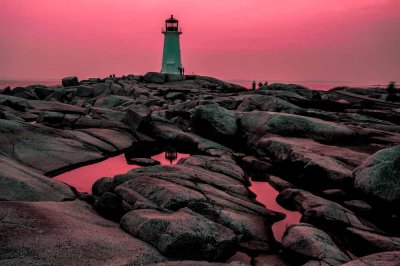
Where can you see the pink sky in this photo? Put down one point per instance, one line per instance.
(290, 40)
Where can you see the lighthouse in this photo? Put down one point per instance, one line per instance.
(171, 61)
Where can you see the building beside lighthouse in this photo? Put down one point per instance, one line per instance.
(171, 61)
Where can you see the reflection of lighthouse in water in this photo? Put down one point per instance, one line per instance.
(171, 154)
(171, 62)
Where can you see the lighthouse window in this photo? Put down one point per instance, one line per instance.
(171, 62)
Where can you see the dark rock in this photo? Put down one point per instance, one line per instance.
(183, 234)
(48, 117)
(334, 194)
(309, 242)
(214, 122)
(102, 185)
(109, 206)
(321, 212)
(385, 258)
(154, 77)
(289, 125)
(255, 164)
(359, 206)
(363, 243)
(172, 96)
(66, 233)
(279, 184)
(268, 103)
(270, 260)
(299, 89)
(173, 77)
(85, 91)
(70, 81)
(143, 161)
(22, 183)
(137, 117)
(379, 176)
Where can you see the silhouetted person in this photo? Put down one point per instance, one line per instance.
(266, 83)
(260, 84)
(253, 85)
(183, 71)
(180, 70)
(391, 90)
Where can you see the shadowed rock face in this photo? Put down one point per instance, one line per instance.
(66, 233)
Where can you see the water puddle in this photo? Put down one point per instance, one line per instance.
(266, 195)
(82, 178)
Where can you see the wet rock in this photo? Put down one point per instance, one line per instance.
(362, 243)
(143, 161)
(102, 185)
(214, 122)
(309, 242)
(385, 258)
(22, 183)
(70, 81)
(379, 176)
(51, 233)
(183, 234)
(154, 77)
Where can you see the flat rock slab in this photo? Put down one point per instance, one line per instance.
(22, 183)
(48, 149)
(384, 258)
(66, 233)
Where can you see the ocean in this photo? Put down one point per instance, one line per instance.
(323, 86)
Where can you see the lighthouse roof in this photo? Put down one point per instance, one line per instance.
(171, 19)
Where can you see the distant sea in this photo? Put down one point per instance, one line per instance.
(314, 85)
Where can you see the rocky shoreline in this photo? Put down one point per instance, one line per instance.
(333, 156)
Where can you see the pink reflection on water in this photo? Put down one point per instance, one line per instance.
(82, 178)
(266, 195)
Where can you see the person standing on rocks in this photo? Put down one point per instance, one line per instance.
(391, 90)
(253, 85)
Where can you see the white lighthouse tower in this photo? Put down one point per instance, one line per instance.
(171, 62)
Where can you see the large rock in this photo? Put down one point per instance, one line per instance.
(70, 81)
(379, 176)
(385, 258)
(289, 125)
(183, 234)
(137, 117)
(214, 122)
(363, 243)
(309, 242)
(268, 103)
(323, 213)
(154, 77)
(22, 183)
(48, 149)
(66, 233)
(312, 161)
(299, 89)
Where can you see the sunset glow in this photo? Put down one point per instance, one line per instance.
(335, 40)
